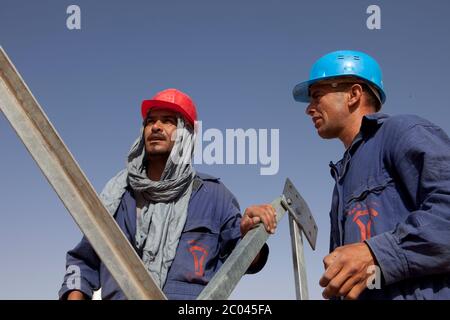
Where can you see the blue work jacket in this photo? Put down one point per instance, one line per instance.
(392, 192)
(211, 232)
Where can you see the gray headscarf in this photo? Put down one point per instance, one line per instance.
(164, 213)
(162, 219)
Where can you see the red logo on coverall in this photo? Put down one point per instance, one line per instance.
(363, 217)
(199, 253)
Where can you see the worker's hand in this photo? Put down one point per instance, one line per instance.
(255, 214)
(346, 271)
(76, 295)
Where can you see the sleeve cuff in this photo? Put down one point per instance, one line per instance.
(85, 288)
(389, 256)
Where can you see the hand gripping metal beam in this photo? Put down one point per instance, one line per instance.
(300, 219)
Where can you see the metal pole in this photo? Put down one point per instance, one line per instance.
(301, 284)
(73, 188)
(301, 221)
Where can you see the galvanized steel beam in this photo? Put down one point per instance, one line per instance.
(73, 188)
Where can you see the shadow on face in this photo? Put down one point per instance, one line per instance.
(159, 132)
(328, 109)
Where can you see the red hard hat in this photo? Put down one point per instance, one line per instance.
(171, 99)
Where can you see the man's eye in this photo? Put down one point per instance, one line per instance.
(315, 96)
(170, 120)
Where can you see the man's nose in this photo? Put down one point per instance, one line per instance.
(309, 109)
(157, 126)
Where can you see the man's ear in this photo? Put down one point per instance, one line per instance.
(355, 95)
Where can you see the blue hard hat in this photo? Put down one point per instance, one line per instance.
(342, 63)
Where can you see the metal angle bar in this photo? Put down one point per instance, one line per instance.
(298, 258)
(73, 188)
(226, 279)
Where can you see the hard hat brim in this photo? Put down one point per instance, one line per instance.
(148, 105)
(301, 90)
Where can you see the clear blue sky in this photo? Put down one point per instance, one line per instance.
(239, 60)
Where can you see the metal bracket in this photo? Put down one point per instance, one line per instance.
(300, 220)
(228, 276)
(298, 209)
(226, 279)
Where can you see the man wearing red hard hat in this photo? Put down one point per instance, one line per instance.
(182, 223)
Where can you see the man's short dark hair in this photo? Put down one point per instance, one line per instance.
(372, 100)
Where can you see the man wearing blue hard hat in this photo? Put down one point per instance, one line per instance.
(390, 211)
